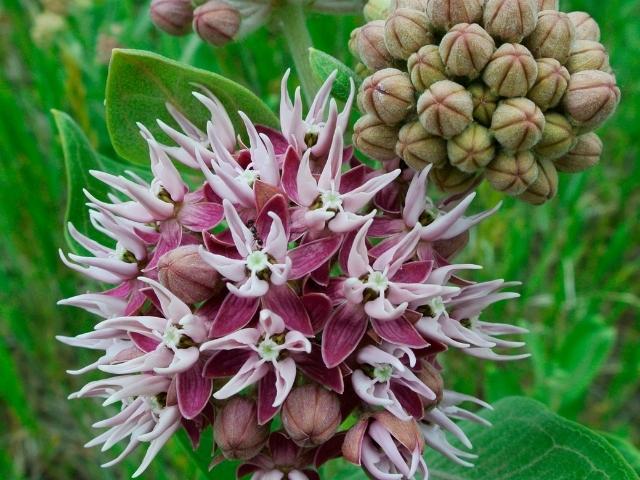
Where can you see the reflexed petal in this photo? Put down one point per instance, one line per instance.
(310, 256)
(193, 391)
(343, 332)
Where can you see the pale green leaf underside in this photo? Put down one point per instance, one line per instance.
(324, 64)
(139, 85)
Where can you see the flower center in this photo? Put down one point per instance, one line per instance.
(311, 137)
(268, 350)
(249, 176)
(257, 261)
(383, 372)
(331, 200)
(377, 282)
(157, 402)
(437, 306)
(172, 336)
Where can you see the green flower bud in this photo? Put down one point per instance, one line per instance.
(466, 50)
(405, 31)
(425, 67)
(472, 150)
(557, 139)
(374, 138)
(517, 124)
(585, 154)
(545, 187)
(588, 55)
(388, 94)
(591, 98)
(512, 173)
(445, 109)
(512, 70)
(510, 20)
(485, 103)
(376, 10)
(444, 14)
(586, 27)
(451, 180)
(550, 85)
(552, 37)
(418, 148)
(370, 47)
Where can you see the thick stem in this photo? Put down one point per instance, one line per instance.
(291, 20)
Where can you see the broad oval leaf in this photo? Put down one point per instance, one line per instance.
(527, 442)
(139, 85)
(323, 64)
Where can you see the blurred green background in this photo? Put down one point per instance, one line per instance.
(578, 255)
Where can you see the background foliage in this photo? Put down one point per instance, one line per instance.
(578, 255)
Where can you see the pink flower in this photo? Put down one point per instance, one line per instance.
(380, 293)
(268, 346)
(327, 200)
(435, 224)
(145, 415)
(388, 374)
(315, 132)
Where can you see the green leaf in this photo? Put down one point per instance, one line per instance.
(323, 64)
(139, 85)
(630, 453)
(527, 442)
(203, 456)
(79, 158)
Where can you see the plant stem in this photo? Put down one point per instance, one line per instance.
(292, 22)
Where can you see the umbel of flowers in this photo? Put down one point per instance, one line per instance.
(507, 90)
(291, 282)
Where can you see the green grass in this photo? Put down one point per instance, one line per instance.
(578, 255)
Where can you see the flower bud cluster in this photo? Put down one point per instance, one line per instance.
(293, 287)
(481, 88)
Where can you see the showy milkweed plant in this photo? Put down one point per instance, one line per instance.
(292, 297)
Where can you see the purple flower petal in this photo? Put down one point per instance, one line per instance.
(278, 205)
(399, 331)
(413, 272)
(343, 332)
(318, 306)
(283, 301)
(353, 178)
(313, 366)
(226, 363)
(193, 390)
(143, 342)
(310, 256)
(200, 217)
(290, 174)
(280, 144)
(410, 400)
(266, 397)
(234, 314)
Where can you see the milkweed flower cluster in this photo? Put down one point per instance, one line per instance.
(293, 282)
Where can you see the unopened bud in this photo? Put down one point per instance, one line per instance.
(374, 138)
(550, 85)
(425, 67)
(510, 20)
(419, 148)
(545, 187)
(517, 124)
(451, 180)
(414, 4)
(512, 70)
(512, 173)
(172, 16)
(388, 94)
(588, 55)
(444, 14)
(552, 37)
(548, 5)
(376, 9)
(370, 46)
(585, 154)
(586, 27)
(445, 109)
(557, 137)
(431, 377)
(485, 103)
(183, 271)
(236, 429)
(311, 415)
(471, 150)
(591, 98)
(405, 31)
(466, 50)
(216, 22)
